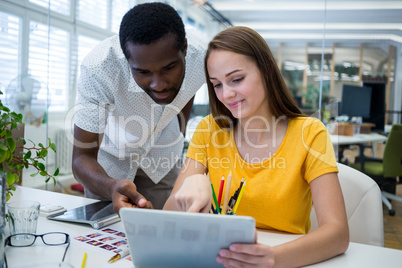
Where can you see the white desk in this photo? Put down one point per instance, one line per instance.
(358, 255)
(360, 140)
(357, 139)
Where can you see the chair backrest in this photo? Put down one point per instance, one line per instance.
(392, 160)
(363, 207)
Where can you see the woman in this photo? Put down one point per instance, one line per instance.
(256, 131)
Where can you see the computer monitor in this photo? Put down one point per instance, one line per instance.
(377, 107)
(356, 101)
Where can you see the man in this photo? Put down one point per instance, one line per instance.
(135, 94)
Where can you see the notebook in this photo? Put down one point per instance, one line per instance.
(98, 215)
(159, 238)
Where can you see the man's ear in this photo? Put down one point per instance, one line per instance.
(185, 47)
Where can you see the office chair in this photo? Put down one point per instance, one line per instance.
(363, 207)
(387, 169)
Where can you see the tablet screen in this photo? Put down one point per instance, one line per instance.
(181, 239)
(93, 214)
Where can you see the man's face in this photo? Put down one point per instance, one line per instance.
(158, 68)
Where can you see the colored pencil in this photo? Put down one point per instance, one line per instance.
(84, 260)
(241, 183)
(215, 200)
(236, 195)
(239, 198)
(227, 193)
(221, 190)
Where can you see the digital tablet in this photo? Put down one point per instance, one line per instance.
(98, 215)
(159, 238)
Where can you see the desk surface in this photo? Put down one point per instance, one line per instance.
(358, 255)
(357, 139)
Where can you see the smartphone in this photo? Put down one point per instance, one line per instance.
(50, 209)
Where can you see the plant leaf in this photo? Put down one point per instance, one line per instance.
(27, 155)
(3, 154)
(10, 178)
(34, 174)
(43, 153)
(3, 147)
(32, 142)
(16, 177)
(9, 134)
(11, 144)
(41, 166)
(52, 146)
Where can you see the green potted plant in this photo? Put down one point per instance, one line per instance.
(12, 164)
(32, 155)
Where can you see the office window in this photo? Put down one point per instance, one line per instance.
(9, 49)
(93, 12)
(49, 62)
(119, 8)
(85, 45)
(59, 6)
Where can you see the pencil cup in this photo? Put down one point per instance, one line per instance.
(23, 216)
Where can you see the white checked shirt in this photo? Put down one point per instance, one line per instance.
(138, 133)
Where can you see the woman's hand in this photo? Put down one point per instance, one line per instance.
(195, 194)
(247, 255)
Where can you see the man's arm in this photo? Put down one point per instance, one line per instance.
(93, 177)
(184, 115)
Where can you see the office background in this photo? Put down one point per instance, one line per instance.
(320, 46)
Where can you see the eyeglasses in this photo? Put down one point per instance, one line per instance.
(26, 240)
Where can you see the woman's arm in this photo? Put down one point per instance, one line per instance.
(329, 240)
(192, 191)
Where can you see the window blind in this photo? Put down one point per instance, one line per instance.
(119, 8)
(54, 60)
(59, 6)
(93, 12)
(9, 49)
(85, 45)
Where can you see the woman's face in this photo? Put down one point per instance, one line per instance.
(238, 84)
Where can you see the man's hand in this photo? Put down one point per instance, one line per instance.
(125, 195)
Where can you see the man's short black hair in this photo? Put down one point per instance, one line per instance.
(146, 23)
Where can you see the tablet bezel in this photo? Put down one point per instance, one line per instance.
(193, 243)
